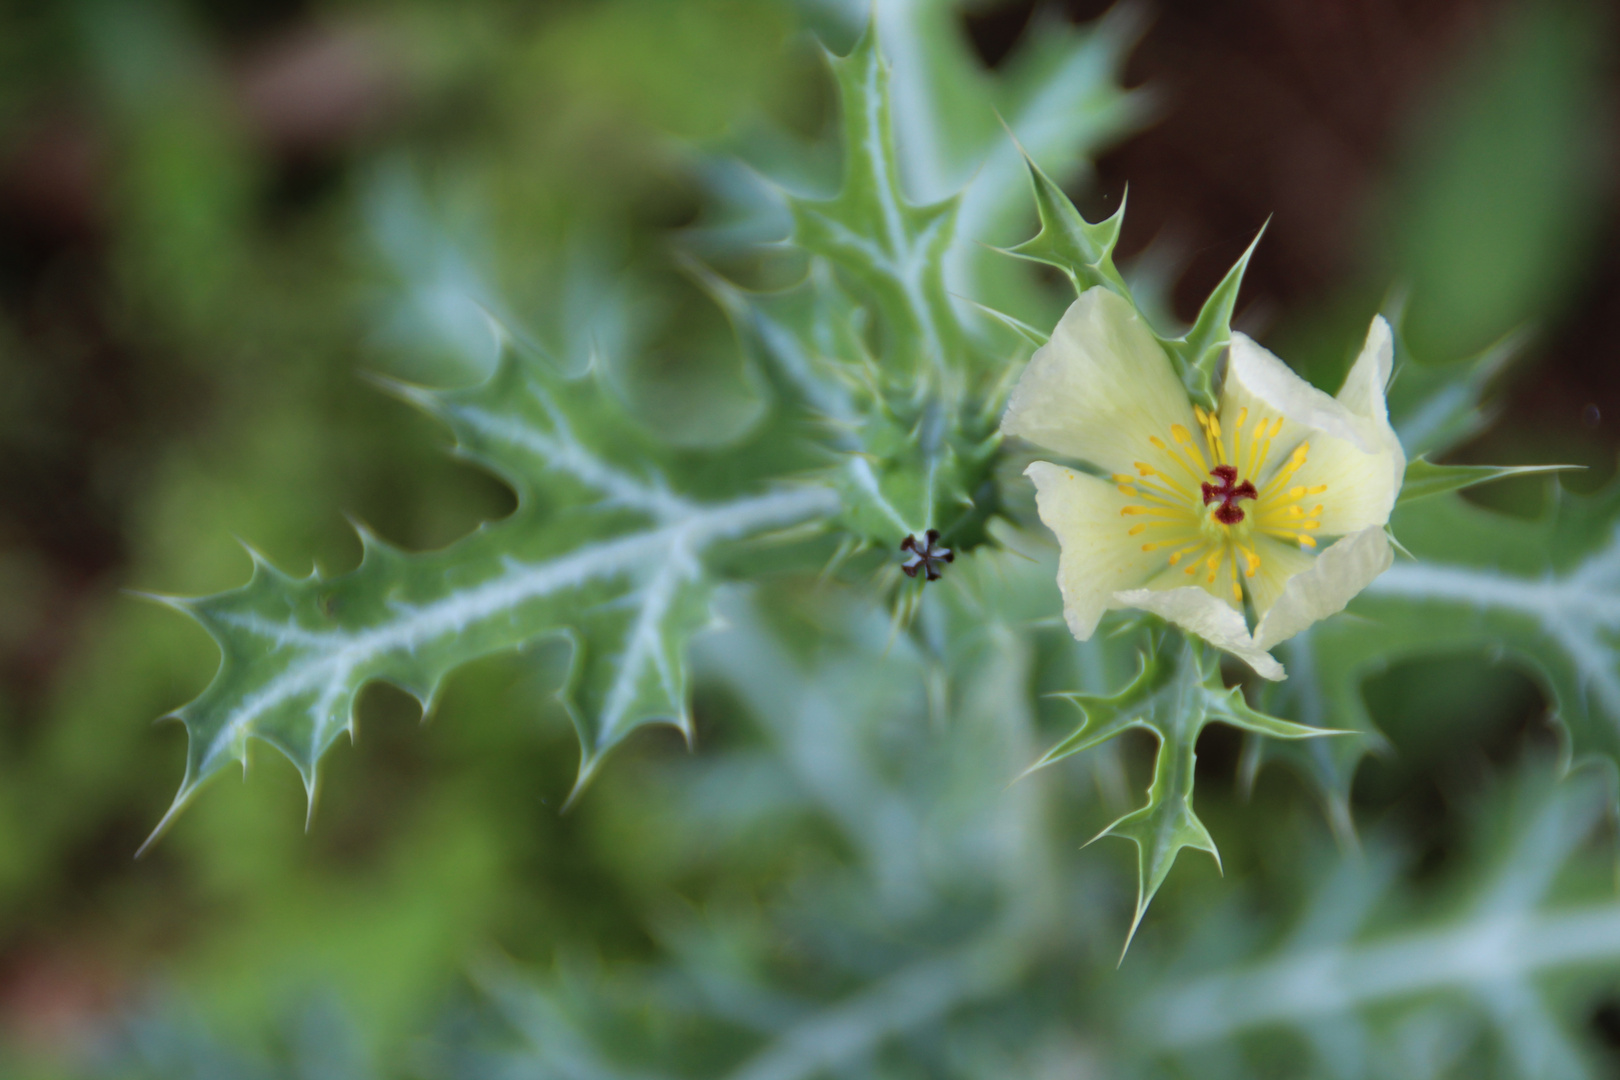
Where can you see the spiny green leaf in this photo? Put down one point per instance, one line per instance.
(1030, 334)
(873, 347)
(1085, 252)
(1082, 250)
(1424, 478)
(1135, 706)
(602, 552)
(1201, 347)
(1234, 710)
(1167, 823)
(1174, 695)
(900, 472)
(891, 249)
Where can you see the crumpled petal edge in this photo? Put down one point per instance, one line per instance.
(1216, 621)
(1273, 382)
(1339, 573)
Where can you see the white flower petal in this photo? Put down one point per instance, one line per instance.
(1338, 574)
(1100, 388)
(1279, 561)
(1098, 556)
(1239, 400)
(1212, 619)
(1363, 389)
(1361, 488)
(1353, 449)
(1255, 375)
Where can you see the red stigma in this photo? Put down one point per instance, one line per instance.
(1227, 494)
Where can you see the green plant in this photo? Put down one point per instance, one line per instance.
(844, 878)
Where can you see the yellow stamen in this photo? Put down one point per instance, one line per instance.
(1251, 561)
(1184, 437)
(1296, 461)
(1168, 496)
(1175, 457)
(1126, 489)
(1307, 541)
(1152, 479)
(1212, 433)
(1176, 556)
(1137, 530)
(1259, 447)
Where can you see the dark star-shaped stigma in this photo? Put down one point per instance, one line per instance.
(925, 556)
(1229, 492)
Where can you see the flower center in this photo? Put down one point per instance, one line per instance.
(1177, 498)
(1227, 494)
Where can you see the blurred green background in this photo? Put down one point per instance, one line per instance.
(217, 216)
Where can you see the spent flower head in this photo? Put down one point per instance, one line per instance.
(1270, 508)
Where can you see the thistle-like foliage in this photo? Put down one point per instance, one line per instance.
(1517, 949)
(604, 550)
(1175, 695)
(891, 250)
(944, 937)
(919, 396)
(884, 954)
(1084, 251)
(881, 425)
(1543, 594)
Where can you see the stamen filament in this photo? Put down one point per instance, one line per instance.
(1177, 556)
(1296, 461)
(1260, 447)
(1197, 477)
(1184, 438)
(1251, 561)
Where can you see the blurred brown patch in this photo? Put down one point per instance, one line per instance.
(53, 1000)
(1273, 109)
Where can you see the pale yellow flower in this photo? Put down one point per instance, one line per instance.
(1273, 507)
